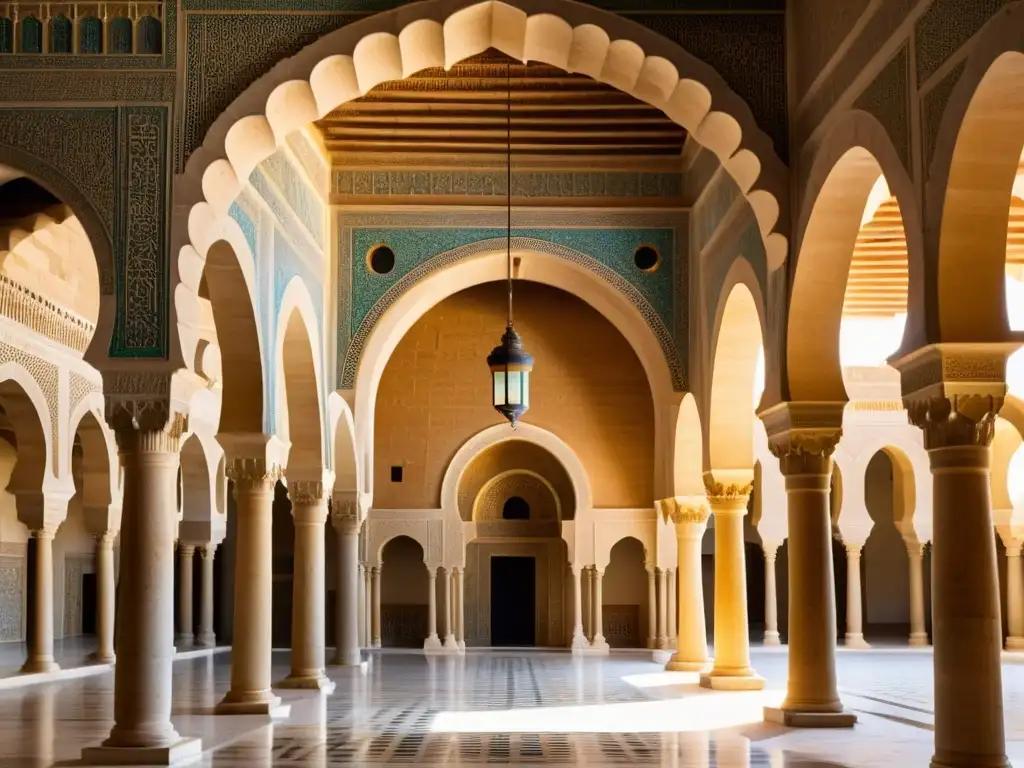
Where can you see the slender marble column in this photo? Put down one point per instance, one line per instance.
(690, 515)
(309, 513)
(771, 605)
(731, 670)
(460, 608)
(185, 637)
(579, 636)
(450, 643)
(375, 606)
(918, 630)
(854, 611)
(105, 591)
(588, 603)
(250, 692)
(206, 638)
(433, 642)
(361, 601)
(1014, 598)
(347, 603)
(598, 642)
(652, 608)
(673, 612)
(662, 640)
(812, 697)
(142, 731)
(40, 651)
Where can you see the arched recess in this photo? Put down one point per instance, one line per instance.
(625, 605)
(688, 454)
(404, 592)
(347, 63)
(488, 266)
(855, 154)
(737, 343)
(970, 181)
(100, 468)
(298, 372)
(1006, 442)
(26, 407)
(344, 456)
(197, 486)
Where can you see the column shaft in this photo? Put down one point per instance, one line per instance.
(966, 623)
(105, 591)
(662, 639)
(918, 630)
(207, 638)
(40, 650)
(186, 626)
(432, 642)
(460, 608)
(361, 597)
(346, 624)
(579, 637)
(449, 610)
(375, 607)
(309, 513)
(731, 668)
(692, 636)
(673, 612)
(771, 605)
(250, 691)
(652, 608)
(588, 603)
(854, 609)
(599, 641)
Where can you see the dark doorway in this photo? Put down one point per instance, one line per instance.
(88, 603)
(513, 601)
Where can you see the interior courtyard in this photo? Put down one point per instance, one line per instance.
(512, 382)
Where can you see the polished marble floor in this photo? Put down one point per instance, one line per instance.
(514, 708)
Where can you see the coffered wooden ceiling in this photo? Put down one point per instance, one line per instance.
(463, 112)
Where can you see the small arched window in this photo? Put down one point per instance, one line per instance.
(90, 35)
(515, 508)
(150, 35)
(60, 34)
(31, 35)
(121, 35)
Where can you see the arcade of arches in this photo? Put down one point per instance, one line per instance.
(777, 407)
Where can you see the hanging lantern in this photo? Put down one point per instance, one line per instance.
(510, 366)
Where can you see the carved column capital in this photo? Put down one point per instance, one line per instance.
(345, 514)
(208, 551)
(959, 420)
(253, 474)
(145, 401)
(803, 436)
(853, 549)
(728, 489)
(685, 510)
(42, 511)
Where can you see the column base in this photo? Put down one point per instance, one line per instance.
(432, 644)
(184, 641)
(101, 658)
(748, 681)
(966, 760)
(579, 641)
(40, 666)
(856, 640)
(350, 658)
(462, 645)
(1015, 643)
(599, 644)
(661, 644)
(451, 644)
(207, 641)
(677, 664)
(797, 719)
(771, 637)
(307, 683)
(268, 707)
(920, 640)
(182, 751)
(375, 644)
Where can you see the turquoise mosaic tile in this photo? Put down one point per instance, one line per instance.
(613, 248)
(297, 193)
(246, 224)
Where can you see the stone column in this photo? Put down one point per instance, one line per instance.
(361, 597)
(731, 670)
(854, 610)
(598, 642)
(309, 513)
(805, 457)
(345, 518)
(433, 642)
(375, 607)
(652, 608)
(207, 638)
(460, 609)
(579, 637)
(662, 639)
(958, 419)
(588, 603)
(142, 731)
(690, 515)
(105, 591)
(40, 650)
(186, 625)
(771, 604)
(918, 630)
(450, 643)
(1014, 598)
(250, 692)
(673, 610)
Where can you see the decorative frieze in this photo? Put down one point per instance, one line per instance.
(46, 318)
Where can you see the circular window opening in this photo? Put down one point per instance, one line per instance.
(381, 259)
(646, 258)
(515, 508)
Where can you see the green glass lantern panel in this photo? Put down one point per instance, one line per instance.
(60, 34)
(6, 35)
(150, 35)
(90, 35)
(31, 35)
(499, 388)
(121, 35)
